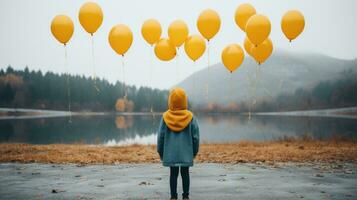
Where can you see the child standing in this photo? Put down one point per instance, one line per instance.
(178, 141)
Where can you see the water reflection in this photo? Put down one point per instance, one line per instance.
(124, 122)
(226, 128)
(83, 129)
(141, 129)
(149, 139)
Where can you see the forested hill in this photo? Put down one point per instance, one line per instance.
(287, 81)
(34, 89)
(336, 93)
(283, 73)
(341, 92)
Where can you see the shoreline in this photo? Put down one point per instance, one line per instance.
(269, 152)
(350, 111)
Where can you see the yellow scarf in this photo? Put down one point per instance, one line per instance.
(177, 117)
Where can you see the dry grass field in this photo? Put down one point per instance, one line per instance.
(288, 150)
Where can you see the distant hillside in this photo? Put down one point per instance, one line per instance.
(340, 92)
(283, 73)
(337, 93)
(33, 89)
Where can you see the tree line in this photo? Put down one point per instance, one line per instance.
(34, 89)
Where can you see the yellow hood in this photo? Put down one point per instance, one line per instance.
(177, 117)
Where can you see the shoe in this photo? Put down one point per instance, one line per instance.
(173, 199)
(185, 199)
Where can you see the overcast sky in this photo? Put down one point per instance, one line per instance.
(26, 39)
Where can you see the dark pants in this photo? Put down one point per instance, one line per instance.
(174, 171)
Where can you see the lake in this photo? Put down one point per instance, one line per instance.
(114, 129)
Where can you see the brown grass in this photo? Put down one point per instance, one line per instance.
(268, 152)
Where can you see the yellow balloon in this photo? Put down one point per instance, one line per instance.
(62, 28)
(178, 32)
(90, 16)
(248, 46)
(195, 46)
(258, 29)
(165, 50)
(208, 23)
(242, 15)
(262, 52)
(232, 57)
(292, 24)
(151, 31)
(120, 38)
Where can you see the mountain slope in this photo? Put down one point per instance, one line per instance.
(283, 73)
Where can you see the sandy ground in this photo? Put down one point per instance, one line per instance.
(150, 181)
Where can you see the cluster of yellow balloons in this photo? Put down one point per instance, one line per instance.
(164, 47)
(62, 28)
(257, 28)
(90, 17)
(208, 24)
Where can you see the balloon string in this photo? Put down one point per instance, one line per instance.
(230, 90)
(151, 85)
(260, 81)
(68, 84)
(93, 65)
(258, 84)
(177, 66)
(231, 103)
(124, 85)
(152, 88)
(251, 93)
(194, 79)
(208, 68)
(255, 83)
(253, 90)
(257, 80)
(282, 78)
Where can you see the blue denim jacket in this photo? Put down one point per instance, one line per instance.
(178, 148)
